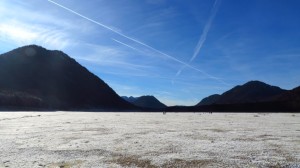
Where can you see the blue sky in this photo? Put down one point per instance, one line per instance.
(179, 51)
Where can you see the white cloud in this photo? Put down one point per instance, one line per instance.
(18, 34)
(23, 24)
(21, 33)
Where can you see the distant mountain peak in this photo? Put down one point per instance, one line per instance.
(147, 101)
(148, 96)
(253, 91)
(129, 99)
(255, 83)
(250, 92)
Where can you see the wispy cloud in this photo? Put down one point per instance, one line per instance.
(22, 34)
(114, 63)
(20, 25)
(137, 41)
(16, 33)
(110, 56)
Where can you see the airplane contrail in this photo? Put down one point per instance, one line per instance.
(137, 41)
(206, 29)
(204, 33)
(185, 64)
(129, 46)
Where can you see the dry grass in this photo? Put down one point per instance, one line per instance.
(76, 163)
(217, 130)
(127, 161)
(130, 161)
(179, 163)
(245, 139)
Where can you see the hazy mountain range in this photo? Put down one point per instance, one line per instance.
(34, 78)
(145, 101)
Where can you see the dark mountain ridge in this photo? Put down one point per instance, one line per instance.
(253, 96)
(250, 92)
(130, 99)
(291, 98)
(34, 78)
(209, 100)
(56, 80)
(145, 102)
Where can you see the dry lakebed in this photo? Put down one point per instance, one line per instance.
(86, 139)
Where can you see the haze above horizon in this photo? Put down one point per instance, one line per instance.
(177, 51)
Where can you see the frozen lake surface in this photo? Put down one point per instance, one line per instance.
(83, 139)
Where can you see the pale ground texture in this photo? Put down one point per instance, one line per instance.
(73, 139)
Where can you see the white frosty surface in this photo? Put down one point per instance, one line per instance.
(83, 139)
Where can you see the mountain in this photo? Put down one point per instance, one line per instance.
(209, 100)
(148, 102)
(145, 101)
(253, 96)
(291, 95)
(250, 92)
(19, 99)
(40, 78)
(291, 98)
(130, 99)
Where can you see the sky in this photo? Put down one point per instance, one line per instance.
(178, 51)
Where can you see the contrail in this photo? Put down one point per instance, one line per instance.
(129, 46)
(106, 27)
(204, 33)
(185, 64)
(137, 41)
(206, 29)
(180, 70)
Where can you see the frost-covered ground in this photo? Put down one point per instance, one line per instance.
(73, 139)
